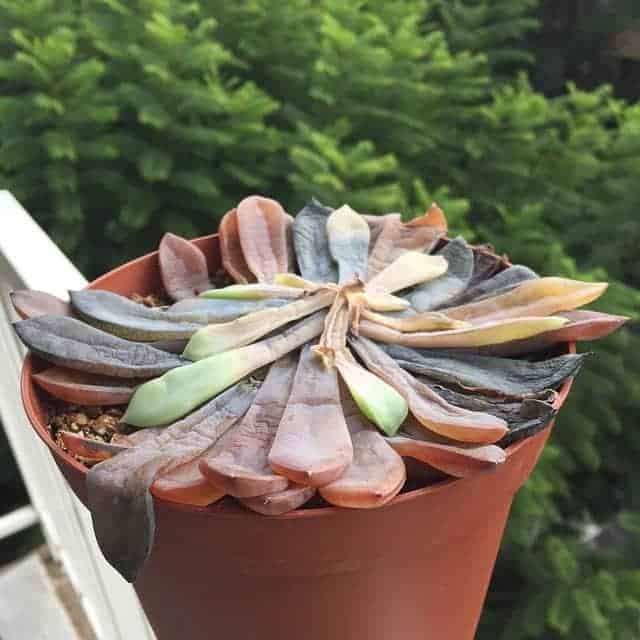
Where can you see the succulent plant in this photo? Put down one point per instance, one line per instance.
(346, 344)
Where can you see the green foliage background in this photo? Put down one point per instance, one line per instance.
(122, 120)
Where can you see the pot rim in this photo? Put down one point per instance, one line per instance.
(27, 388)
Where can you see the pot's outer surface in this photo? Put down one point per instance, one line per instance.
(416, 569)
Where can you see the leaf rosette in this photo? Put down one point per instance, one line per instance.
(347, 344)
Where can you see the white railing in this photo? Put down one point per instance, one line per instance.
(29, 259)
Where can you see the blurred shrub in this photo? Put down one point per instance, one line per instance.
(119, 121)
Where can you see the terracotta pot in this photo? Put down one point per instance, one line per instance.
(417, 569)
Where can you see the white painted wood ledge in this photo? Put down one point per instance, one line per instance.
(29, 259)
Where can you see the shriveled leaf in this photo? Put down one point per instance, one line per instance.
(172, 396)
(538, 297)
(312, 445)
(32, 304)
(255, 291)
(263, 227)
(454, 459)
(70, 343)
(294, 280)
(348, 237)
(118, 488)
(275, 504)
(231, 249)
(380, 402)
(183, 267)
(582, 325)
(396, 237)
(493, 332)
(128, 319)
(217, 338)
(376, 473)
(312, 243)
(436, 293)
(89, 448)
(428, 407)
(80, 387)
(478, 373)
(408, 269)
(334, 334)
(499, 283)
(524, 417)
(241, 468)
(427, 321)
(486, 264)
(377, 301)
(186, 485)
(209, 311)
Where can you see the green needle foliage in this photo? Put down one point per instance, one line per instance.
(120, 121)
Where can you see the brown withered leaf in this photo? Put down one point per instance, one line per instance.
(32, 304)
(80, 387)
(118, 488)
(183, 267)
(233, 259)
(241, 467)
(276, 504)
(71, 343)
(265, 237)
(312, 444)
(453, 458)
(432, 411)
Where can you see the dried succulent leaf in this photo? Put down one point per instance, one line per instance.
(334, 334)
(186, 485)
(479, 373)
(172, 396)
(118, 488)
(183, 267)
(376, 474)
(486, 264)
(217, 338)
(209, 311)
(33, 304)
(312, 243)
(263, 227)
(127, 319)
(231, 249)
(582, 325)
(312, 445)
(408, 269)
(427, 321)
(296, 281)
(79, 387)
(379, 401)
(396, 237)
(494, 332)
(539, 297)
(454, 459)
(499, 283)
(89, 448)
(428, 407)
(377, 301)
(276, 504)
(524, 417)
(437, 292)
(241, 467)
(255, 291)
(348, 236)
(71, 343)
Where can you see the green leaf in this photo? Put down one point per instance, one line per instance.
(155, 165)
